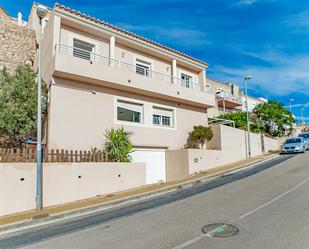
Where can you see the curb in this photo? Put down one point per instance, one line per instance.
(84, 211)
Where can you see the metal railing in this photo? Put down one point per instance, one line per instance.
(94, 58)
(214, 121)
(229, 97)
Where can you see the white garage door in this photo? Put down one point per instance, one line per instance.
(155, 163)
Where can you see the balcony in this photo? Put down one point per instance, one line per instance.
(228, 101)
(83, 65)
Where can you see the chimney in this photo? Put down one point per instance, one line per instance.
(20, 19)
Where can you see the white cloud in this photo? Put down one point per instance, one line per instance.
(286, 74)
(247, 2)
(299, 105)
(299, 22)
(184, 36)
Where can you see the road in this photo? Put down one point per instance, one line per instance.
(269, 204)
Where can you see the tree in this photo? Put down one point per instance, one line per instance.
(118, 146)
(274, 119)
(18, 103)
(240, 119)
(201, 135)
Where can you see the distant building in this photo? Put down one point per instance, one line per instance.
(252, 102)
(17, 41)
(229, 98)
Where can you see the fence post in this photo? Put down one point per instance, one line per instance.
(80, 156)
(57, 155)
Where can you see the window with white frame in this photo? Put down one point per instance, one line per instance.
(82, 49)
(142, 67)
(186, 81)
(163, 117)
(129, 111)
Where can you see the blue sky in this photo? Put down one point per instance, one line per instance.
(268, 39)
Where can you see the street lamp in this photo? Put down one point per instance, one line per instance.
(302, 115)
(290, 104)
(41, 12)
(248, 77)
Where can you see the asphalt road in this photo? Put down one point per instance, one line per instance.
(269, 204)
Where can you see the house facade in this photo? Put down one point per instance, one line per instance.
(252, 102)
(101, 77)
(228, 98)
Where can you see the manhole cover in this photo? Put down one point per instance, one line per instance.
(220, 230)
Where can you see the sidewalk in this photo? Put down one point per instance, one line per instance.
(15, 220)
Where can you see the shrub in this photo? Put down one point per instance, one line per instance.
(118, 145)
(201, 135)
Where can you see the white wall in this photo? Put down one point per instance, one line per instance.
(64, 182)
(227, 146)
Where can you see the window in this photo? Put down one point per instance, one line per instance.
(163, 117)
(186, 81)
(130, 112)
(82, 49)
(143, 67)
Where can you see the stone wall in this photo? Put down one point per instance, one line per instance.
(17, 45)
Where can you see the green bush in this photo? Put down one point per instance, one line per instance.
(240, 119)
(118, 145)
(201, 135)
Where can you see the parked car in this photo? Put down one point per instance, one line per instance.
(294, 145)
(305, 135)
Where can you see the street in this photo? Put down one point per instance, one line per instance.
(269, 204)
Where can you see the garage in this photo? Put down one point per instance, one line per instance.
(155, 163)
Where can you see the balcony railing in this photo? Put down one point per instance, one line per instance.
(110, 62)
(229, 97)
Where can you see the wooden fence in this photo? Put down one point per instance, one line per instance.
(30, 155)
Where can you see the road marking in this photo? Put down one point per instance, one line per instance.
(190, 242)
(198, 238)
(273, 200)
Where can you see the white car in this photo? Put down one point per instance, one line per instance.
(294, 145)
(305, 135)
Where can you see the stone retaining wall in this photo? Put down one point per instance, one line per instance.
(17, 45)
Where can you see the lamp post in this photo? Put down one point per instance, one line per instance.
(248, 77)
(290, 104)
(302, 115)
(41, 13)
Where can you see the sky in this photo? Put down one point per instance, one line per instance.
(268, 39)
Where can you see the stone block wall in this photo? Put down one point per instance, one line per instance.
(17, 45)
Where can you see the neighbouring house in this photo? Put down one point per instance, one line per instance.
(17, 41)
(100, 76)
(228, 98)
(252, 102)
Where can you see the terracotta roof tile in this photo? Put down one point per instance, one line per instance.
(118, 29)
